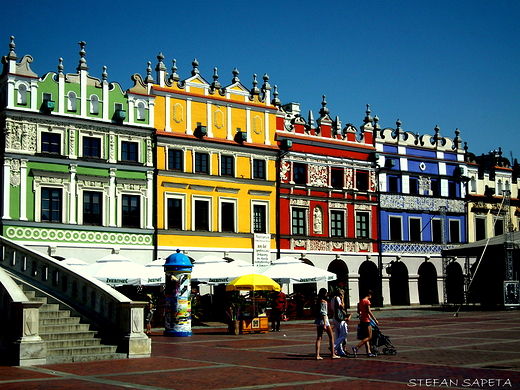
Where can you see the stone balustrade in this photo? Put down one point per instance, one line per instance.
(118, 319)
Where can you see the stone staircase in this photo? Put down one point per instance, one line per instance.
(67, 340)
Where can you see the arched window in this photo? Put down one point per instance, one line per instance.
(499, 187)
(72, 101)
(22, 94)
(473, 184)
(94, 105)
(141, 111)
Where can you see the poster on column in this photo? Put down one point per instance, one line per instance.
(262, 250)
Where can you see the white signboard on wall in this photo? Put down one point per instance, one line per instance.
(262, 250)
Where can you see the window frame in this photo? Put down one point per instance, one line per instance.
(222, 214)
(366, 182)
(137, 152)
(167, 217)
(140, 211)
(265, 205)
(194, 216)
(299, 173)
(227, 165)
(458, 236)
(483, 221)
(411, 229)
(391, 228)
(197, 165)
(101, 207)
(59, 143)
(359, 228)
(337, 226)
(61, 205)
(335, 174)
(302, 220)
(169, 159)
(259, 169)
(82, 146)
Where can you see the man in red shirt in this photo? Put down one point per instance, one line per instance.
(278, 308)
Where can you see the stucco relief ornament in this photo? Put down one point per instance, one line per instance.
(29, 137)
(15, 173)
(424, 184)
(318, 175)
(349, 178)
(284, 170)
(318, 220)
(373, 182)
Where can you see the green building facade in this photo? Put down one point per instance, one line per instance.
(78, 163)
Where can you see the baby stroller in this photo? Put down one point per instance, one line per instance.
(380, 340)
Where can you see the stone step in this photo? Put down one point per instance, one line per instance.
(59, 321)
(54, 314)
(49, 307)
(69, 343)
(74, 351)
(64, 328)
(84, 358)
(67, 335)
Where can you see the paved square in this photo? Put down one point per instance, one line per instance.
(479, 350)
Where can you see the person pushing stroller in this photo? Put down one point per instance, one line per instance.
(365, 329)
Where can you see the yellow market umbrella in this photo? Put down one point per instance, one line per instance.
(253, 282)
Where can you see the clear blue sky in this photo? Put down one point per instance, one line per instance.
(454, 64)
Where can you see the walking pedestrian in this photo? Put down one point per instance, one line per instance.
(365, 329)
(340, 321)
(322, 323)
(278, 309)
(148, 314)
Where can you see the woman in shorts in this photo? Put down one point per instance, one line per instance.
(322, 323)
(365, 330)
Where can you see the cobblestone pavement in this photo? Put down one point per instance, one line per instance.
(435, 349)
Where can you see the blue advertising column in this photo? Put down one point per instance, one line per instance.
(177, 318)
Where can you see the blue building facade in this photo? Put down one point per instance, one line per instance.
(422, 186)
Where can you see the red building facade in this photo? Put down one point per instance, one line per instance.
(328, 197)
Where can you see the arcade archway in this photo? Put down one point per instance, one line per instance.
(427, 284)
(341, 270)
(369, 279)
(399, 287)
(454, 283)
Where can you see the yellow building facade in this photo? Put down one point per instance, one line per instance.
(216, 165)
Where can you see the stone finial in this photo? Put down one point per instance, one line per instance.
(235, 76)
(466, 147)
(310, 120)
(195, 70)
(174, 76)
(12, 55)
(255, 90)
(437, 136)
(82, 61)
(265, 85)
(368, 118)
(215, 84)
(149, 78)
(377, 127)
(104, 75)
(324, 110)
(457, 139)
(398, 128)
(60, 66)
(160, 65)
(275, 102)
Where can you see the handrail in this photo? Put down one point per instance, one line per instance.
(117, 318)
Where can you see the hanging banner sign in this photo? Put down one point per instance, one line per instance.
(262, 250)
